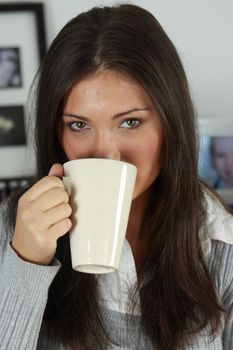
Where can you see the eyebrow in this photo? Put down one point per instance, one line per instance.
(115, 116)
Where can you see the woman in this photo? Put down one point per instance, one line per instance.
(112, 86)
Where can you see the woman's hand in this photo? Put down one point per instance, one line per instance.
(42, 217)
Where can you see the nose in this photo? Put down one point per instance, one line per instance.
(105, 146)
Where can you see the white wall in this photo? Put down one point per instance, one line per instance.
(202, 31)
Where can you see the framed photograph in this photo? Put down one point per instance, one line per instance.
(22, 47)
(10, 73)
(216, 156)
(12, 129)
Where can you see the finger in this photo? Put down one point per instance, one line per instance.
(51, 199)
(56, 214)
(42, 186)
(60, 228)
(56, 170)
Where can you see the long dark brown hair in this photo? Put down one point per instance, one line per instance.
(177, 294)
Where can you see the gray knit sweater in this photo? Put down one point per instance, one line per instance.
(24, 287)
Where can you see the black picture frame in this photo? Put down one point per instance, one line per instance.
(18, 159)
(38, 12)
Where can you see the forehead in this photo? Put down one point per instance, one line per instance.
(223, 143)
(105, 87)
(108, 74)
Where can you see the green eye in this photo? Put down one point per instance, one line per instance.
(131, 123)
(78, 126)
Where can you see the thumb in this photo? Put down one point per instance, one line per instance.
(56, 170)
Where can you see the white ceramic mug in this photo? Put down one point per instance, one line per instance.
(100, 192)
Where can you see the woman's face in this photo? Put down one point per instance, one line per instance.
(222, 153)
(109, 115)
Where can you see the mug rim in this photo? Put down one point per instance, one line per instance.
(100, 159)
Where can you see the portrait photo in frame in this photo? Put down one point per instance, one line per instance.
(21, 52)
(10, 67)
(216, 155)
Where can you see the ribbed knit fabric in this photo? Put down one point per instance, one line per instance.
(125, 329)
(23, 296)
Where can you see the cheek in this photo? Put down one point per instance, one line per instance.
(68, 146)
(151, 161)
(219, 164)
(72, 147)
(149, 164)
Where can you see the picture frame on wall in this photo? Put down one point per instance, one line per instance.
(216, 155)
(22, 48)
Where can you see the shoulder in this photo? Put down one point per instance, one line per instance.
(217, 242)
(218, 225)
(5, 232)
(220, 266)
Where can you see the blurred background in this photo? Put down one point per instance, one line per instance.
(202, 31)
